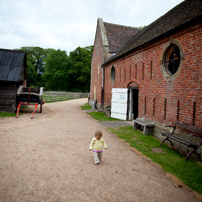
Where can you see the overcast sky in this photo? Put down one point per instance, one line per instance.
(67, 24)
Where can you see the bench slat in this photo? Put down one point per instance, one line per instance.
(142, 123)
(148, 127)
(189, 144)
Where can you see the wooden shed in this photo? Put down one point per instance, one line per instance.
(13, 73)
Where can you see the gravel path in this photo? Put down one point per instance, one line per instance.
(47, 158)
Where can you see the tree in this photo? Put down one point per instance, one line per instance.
(80, 69)
(56, 68)
(35, 64)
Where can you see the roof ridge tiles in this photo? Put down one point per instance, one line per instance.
(113, 24)
(183, 13)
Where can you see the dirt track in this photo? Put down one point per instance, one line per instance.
(48, 159)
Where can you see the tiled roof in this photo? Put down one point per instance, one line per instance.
(11, 62)
(118, 35)
(176, 17)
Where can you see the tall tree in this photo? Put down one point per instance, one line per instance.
(35, 64)
(80, 69)
(56, 68)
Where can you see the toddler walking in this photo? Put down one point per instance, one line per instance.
(97, 144)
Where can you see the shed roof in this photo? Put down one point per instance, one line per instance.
(118, 35)
(11, 64)
(173, 19)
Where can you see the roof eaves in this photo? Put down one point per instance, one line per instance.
(118, 56)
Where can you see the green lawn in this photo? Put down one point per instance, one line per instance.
(189, 172)
(7, 114)
(100, 116)
(86, 106)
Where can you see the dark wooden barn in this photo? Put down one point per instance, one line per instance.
(13, 73)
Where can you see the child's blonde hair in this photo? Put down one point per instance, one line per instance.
(98, 133)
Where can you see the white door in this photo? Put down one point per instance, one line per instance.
(119, 103)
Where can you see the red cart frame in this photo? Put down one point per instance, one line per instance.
(29, 96)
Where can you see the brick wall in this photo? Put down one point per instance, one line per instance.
(100, 54)
(96, 69)
(180, 98)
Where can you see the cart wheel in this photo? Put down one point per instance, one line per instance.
(41, 104)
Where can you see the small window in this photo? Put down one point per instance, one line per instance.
(135, 71)
(165, 106)
(145, 105)
(130, 72)
(113, 75)
(178, 110)
(143, 71)
(154, 107)
(194, 114)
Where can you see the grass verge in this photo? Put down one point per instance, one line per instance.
(86, 106)
(100, 116)
(51, 101)
(7, 114)
(189, 172)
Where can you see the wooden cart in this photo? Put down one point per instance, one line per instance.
(29, 96)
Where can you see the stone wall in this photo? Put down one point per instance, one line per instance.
(59, 95)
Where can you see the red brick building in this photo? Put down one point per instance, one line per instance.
(109, 39)
(157, 74)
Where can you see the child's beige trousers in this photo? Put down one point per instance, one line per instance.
(97, 157)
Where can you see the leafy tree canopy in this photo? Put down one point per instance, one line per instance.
(80, 69)
(56, 67)
(55, 70)
(35, 64)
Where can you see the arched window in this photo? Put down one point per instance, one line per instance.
(113, 75)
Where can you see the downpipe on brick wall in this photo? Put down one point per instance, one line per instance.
(103, 86)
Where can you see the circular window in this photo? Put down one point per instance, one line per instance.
(171, 59)
(113, 75)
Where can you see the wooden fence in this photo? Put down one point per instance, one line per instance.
(50, 96)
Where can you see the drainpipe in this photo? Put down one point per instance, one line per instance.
(103, 84)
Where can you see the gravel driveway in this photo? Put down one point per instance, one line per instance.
(47, 158)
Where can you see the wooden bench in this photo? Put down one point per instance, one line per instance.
(148, 127)
(191, 145)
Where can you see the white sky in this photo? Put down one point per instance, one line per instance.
(67, 24)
